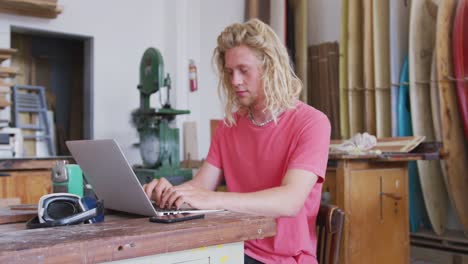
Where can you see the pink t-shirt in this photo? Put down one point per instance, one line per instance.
(255, 158)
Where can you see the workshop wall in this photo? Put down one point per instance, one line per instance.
(323, 21)
(121, 30)
(191, 29)
(181, 29)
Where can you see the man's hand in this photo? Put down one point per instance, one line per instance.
(156, 189)
(194, 197)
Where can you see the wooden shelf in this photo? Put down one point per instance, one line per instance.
(34, 8)
(8, 72)
(3, 102)
(5, 54)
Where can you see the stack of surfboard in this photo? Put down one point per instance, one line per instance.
(455, 165)
(365, 79)
(403, 72)
(421, 46)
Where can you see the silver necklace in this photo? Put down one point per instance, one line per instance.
(259, 124)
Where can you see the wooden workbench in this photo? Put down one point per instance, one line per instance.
(372, 190)
(217, 239)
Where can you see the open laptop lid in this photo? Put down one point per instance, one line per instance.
(108, 171)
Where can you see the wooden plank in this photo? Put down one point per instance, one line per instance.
(31, 163)
(381, 42)
(4, 57)
(32, 13)
(333, 60)
(4, 83)
(300, 42)
(369, 81)
(4, 202)
(258, 9)
(343, 61)
(314, 89)
(8, 72)
(323, 95)
(6, 51)
(3, 102)
(8, 216)
(5, 86)
(355, 68)
(5, 54)
(115, 240)
(36, 8)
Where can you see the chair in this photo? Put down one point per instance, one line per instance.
(329, 226)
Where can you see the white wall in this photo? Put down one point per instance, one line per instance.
(192, 27)
(324, 21)
(215, 16)
(122, 30)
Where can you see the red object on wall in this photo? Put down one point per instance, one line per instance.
(193, 76)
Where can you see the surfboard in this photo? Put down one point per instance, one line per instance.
(399, 25)
(460, 60)
(369, 84)
(355, 67)
(435, 104)
(381, 20)
(344, 120)
(417, 209)
(454, 145)
(421, 45)
(300, 42)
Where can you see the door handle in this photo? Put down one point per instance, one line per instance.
(391, 195)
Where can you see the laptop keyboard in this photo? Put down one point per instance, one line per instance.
(168, 211)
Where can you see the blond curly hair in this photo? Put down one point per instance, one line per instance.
(281, 85)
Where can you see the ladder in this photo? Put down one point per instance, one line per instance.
(31, 99)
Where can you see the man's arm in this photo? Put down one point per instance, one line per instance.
(284, 200)
(207, 178)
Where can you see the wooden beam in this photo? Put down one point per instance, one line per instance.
(35, 8)
(8, 72)
(5, 54)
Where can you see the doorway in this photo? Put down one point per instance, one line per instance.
(62, 64)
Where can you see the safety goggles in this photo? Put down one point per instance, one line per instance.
(59, 209)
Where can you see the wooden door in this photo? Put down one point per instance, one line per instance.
(377, 216)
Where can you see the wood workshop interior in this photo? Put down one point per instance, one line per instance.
(234, 131)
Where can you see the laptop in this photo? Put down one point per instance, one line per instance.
(113, 180)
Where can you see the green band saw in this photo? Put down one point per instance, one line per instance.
(159, 139)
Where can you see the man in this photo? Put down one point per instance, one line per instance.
(271, 149)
